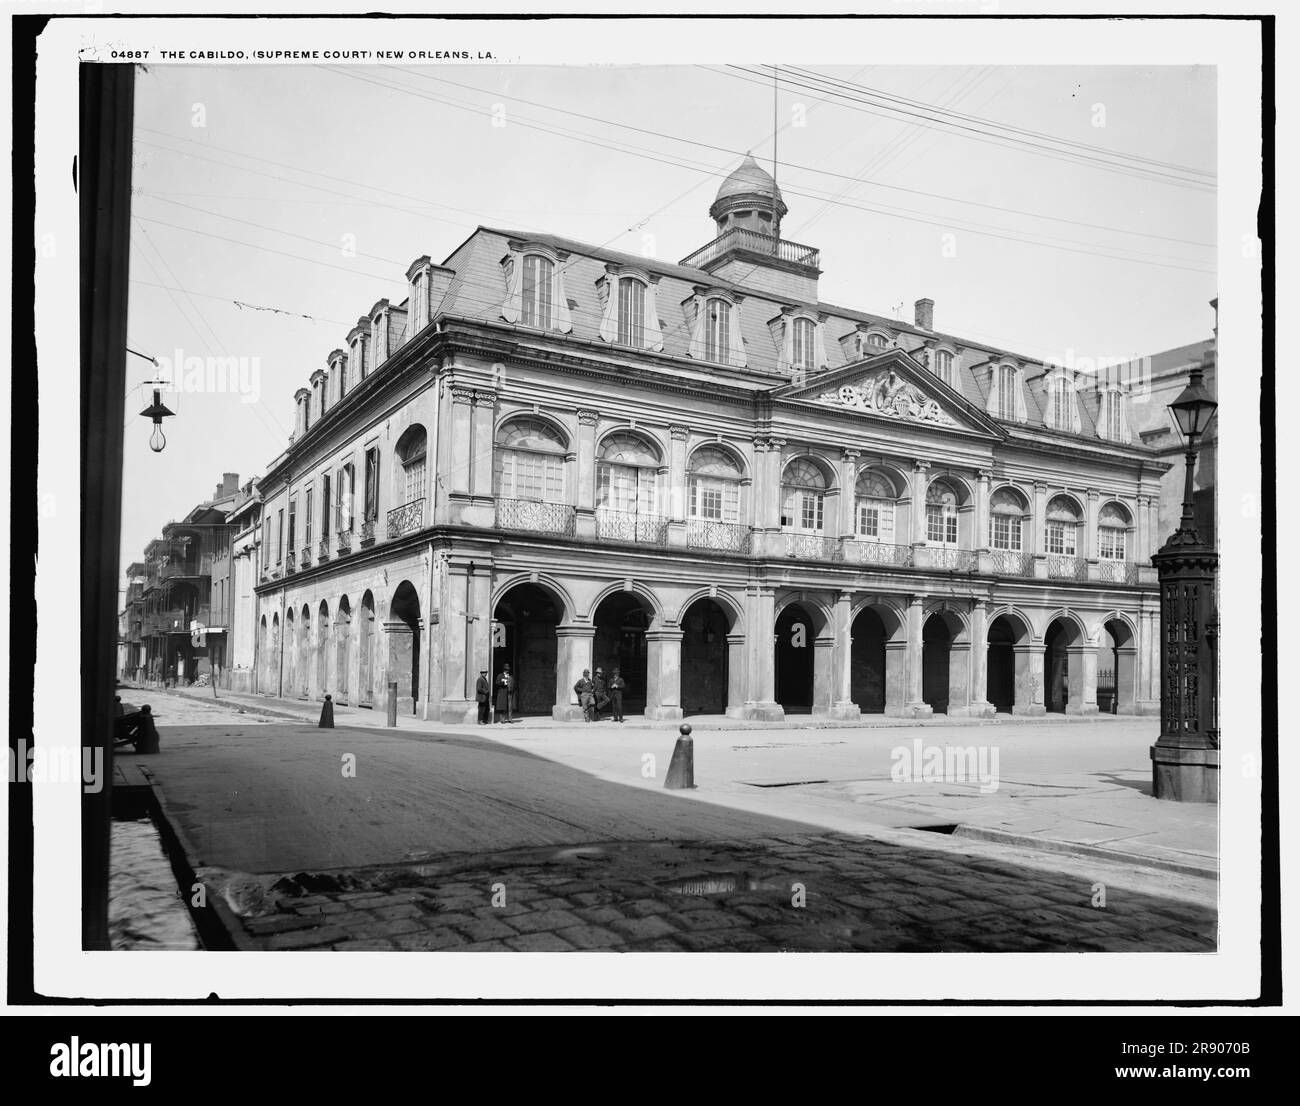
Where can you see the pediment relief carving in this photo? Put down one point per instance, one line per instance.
(890, 394)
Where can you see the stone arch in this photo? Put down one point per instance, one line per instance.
(289, 667)
(649, 437)
(343, 650)
(959, 484)
(818, 609)
(1116, 650)
(557, 592)
(526, 615)
(1014, 662)
(900, 480)
(554, 424)
(638, 589)
(945, 660)
(323, 649)
(877, 645)
(1073, 619)
(825, 466)
(410, 461)
(712, 654)
(957, 621)
(889, 611)
(366, 638)
(734, 454)
(724, 599)
(402, 631)
(1069, 665)
(303, 686)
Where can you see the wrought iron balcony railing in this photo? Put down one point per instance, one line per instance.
(951, 560)
(626, 526)
(1060, 567)
(1118, 572)
(753, 241)
(406, 519)
(812, 547)
(1011, 562)
(534, 517)
(731, 537)
(878, 553)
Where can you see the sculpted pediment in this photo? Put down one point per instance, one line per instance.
(888, 393)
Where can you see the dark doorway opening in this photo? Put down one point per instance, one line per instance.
(704, 658)
(1002, 666)
(404, 652)
(524, 638)
(867, 661)
(936, 650)
(1056, 668)
(795, 633)
(621, 624)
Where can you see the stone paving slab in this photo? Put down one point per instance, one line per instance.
(819, 893)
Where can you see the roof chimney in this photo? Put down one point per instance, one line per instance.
(230, 483)
(925, 314)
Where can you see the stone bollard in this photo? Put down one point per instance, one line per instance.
(681, 770)
(147, 742)
(392, 703)
(327, 713)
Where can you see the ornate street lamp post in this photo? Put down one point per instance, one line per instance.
(1185, 759)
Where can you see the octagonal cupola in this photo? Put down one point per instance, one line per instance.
(750, 199)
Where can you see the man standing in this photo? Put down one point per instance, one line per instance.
(505, 694)
(616, 686)
(599, 690)
(483, 692)
(585, 690)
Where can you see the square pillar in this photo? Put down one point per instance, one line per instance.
(823, 675)
(676, 498)
(915, 706)
(585, 521)
(848, 485)
(1126, 680)
(574, 649)
(760, 680)
(843, 706)
(895, 678)
(980, 706)
(1082, 680)
(484, 411)
(920, 483)
(398, 645)
(736, 676)
(981, 541)
(959, 661)
(1029, 680)
(1039, 525)
(663, 692)
(462, 441)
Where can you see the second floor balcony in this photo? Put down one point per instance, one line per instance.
(632, 527)
(406, 519)
(728, 537)
(535, 517)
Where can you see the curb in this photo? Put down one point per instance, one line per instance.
(1074, 848)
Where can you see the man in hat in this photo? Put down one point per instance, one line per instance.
(505, 695)
(600, 691)
(483, 693)
(616, 686)
(583, 689)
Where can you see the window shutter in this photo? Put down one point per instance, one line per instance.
(607, 290)
(1072, 398)
(563, 321)
(654, 333)
(819, 345)
(991, 407)
(1021, 413)
(736, 355)
(695, 315)
(513, 268)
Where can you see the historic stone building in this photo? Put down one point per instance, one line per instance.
(558, 457)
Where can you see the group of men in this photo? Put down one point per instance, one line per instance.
(597, 693)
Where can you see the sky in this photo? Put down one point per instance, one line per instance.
(274, 205)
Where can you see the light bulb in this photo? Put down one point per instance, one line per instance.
(157, 439)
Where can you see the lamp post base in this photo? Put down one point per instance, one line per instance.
(1185, 775)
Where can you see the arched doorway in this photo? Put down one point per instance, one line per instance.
(263, 655)
(304, 654)
(867, 661)
(343, 650)
(1117, 669)
(1002, 666)
(797, 630)
(322, 649)
(1056, 666)
(403, 633)
(621, 623)
(523, 637)
(705, 666)
(289, 674)
(274, 659)
(366, 651)
(936, 661)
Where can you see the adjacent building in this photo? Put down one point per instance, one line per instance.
(561, 457)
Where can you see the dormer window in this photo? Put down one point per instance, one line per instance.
(380, 331)
(944, 366)
(539, 275)
(1062, 411)
(1113, 416)
(803, 356)
(535, 288)
(717, 330)
(1006, 392)
(631, 312)
(876, 341)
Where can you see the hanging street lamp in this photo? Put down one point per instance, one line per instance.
(157, 412)
(1185, 758)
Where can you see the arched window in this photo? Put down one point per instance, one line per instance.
(941, 514)
(631, 312)
(876, 342)
(717, 330)
(1006, 520)
(411, 449)
(1113, 523)
(539, 276)
(943, 366)
(805, 333)
(1059, 397)
(714, 485)
(1006, 392)
(627, 475)
(1062, 527)
(873, 507)
(528, 462)
(803, 494)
